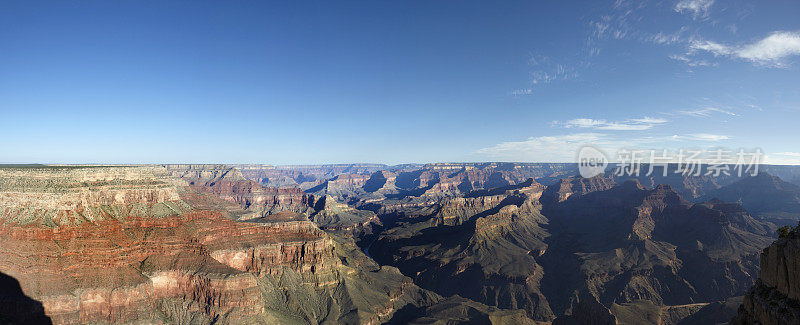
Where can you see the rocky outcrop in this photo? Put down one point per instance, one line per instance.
(228, 183)
(343, 186)
(441, 180)
(629, 249)
(458, 310)
(116, 261)
(775, 298)
(303, 176)
(481, 248)
(651, 245)
(341, 218)
(67, 196)
(578, 186)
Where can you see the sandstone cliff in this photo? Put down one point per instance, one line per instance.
(137, 244)
(775, 298)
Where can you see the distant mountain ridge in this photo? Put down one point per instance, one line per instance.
(763, 195)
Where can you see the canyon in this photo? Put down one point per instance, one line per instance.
(504, 243)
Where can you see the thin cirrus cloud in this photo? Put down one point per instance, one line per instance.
(698, 8)
(521, 92)
(544, 72)
(638, 124)
(772, 50)
(625, 19)
(704, 112)
(705, 137)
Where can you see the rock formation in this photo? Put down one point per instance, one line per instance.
(650, 245)
(129, 244)
(210, 243)
(458, 310)
(303, 176)
(624, 247)
(775, 298)
(481, 248)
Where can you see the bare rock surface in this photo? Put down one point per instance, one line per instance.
(775, 298)
(140, 244)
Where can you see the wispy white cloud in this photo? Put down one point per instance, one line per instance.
(522, 92)
(772, 50)
(564, 148)
(713, 47)
(691, 61)
(545, 71)
(638, 124)
(704, 137)
(559, 148)
(581, 123)
(650, 120)
(626, 19)
(704, 112)
(545, 75)
(698, 8)
(662, 38)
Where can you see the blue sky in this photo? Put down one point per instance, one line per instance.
(393, 81)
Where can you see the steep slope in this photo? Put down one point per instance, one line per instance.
(481, 248)
(775, 298)
(358, 188)
(129, 244)
(690, 184)
(343, 219)
(631, 243)
(253, 200)
(303, 176)
(458, 310)
(578, 186)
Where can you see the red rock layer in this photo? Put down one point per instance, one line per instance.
(247, 193)
(124, 270)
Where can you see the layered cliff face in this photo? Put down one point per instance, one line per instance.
(441, 180)
(775, 298)
(65, 196)
(650, 245)
(247, 200)
(301, 176)
(481, 248)
(374, 187)
(627, 248)
(128, 244)
(228, 184)
(344, 187)
(343, 219)
(577, 186)
(117, 244)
